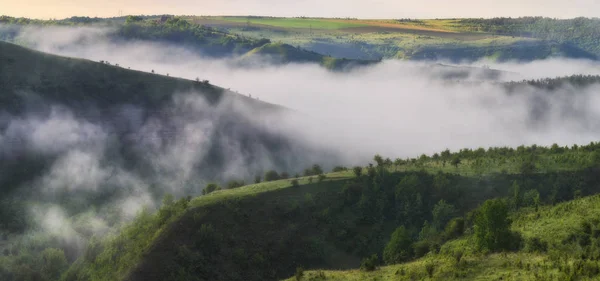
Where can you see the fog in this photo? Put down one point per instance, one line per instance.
(396, 108)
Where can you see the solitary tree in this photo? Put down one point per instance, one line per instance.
(271, 175)
(492, 226)
(357, 171)
(399, 248)
(378, 159)
(211, 187)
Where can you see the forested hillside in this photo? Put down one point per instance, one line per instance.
(387, 213)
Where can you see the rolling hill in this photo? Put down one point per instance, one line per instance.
(272, 230)
(85, 145)
(89, 139)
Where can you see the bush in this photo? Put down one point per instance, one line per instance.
(357, 171)
(370, 263)
(399, 248)
(430, 268)
(535, 245)
(294, 183)
(455, 228)
(299, 273)
(211, 187)
(271, 175)
(321, 178)
(421, 248)
(284, 176)
(339, 169)
(458, 255)
(257, 179)
(235, 184)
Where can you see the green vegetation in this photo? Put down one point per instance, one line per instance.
(293, 22)
(350, 222)
(499, 39)
(525, 213)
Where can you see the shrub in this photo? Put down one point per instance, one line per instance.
(235, 184)
(370, 263)
(455, 228)
(271, 175)
(284, 176)
(211, 187)
(299, 273)
(310, 179)
(257, 179)
(458, 255)
(339, 169)
(321, 178)
(430, 268)
(399, 248)
(294, 182)
(357, 171)
(535, 245)
(421, 248)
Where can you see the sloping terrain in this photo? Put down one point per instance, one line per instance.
(563, 254)
(279, 53)
(86, 145)
(267, 231)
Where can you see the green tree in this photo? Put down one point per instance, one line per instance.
(455, 162)
(316, 170)
(492, 226)
(211, 187)
(53, 263)
(398, 249)
(271, 175)
(455, 228)
(442, 213)
(378, 159)
(357, 171)
(370, 263)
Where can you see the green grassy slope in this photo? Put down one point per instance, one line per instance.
(265, 231)
(76, 82)
(564, 259)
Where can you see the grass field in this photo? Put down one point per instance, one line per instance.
(294, 22)
(366, 39)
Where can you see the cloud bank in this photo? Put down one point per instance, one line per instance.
(396, 108)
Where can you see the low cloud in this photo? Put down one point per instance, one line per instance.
(395, 108)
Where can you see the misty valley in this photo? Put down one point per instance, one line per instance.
(162, 147)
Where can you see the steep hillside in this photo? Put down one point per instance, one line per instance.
(269, 230)
(560, 243)
(85, 145)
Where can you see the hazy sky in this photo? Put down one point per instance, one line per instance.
(321, 8)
